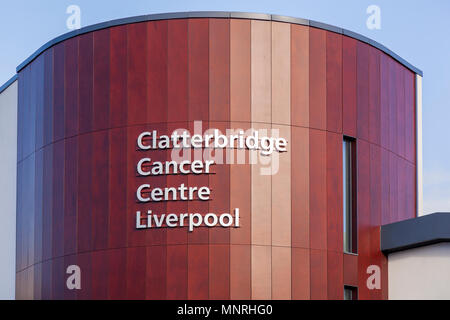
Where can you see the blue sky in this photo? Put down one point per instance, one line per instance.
(416, 30)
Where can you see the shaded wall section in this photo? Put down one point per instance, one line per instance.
(84, 101)
(8, 174)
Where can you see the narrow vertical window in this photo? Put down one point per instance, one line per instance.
(350, 293)
(349, 198)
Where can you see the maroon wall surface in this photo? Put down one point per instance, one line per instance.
(84, 101)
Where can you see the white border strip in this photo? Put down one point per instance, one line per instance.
(419, 149)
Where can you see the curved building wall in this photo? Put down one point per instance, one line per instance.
(84, 101)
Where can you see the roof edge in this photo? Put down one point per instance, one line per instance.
(417, 232)
(216, 14)
(8, 83)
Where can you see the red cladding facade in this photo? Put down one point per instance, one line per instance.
(85, 100)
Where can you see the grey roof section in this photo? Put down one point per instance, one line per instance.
(217, 14)
(8, 83)
(417, 232)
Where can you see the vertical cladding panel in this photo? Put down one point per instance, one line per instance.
(85, 172)
(38, 204)
(335, 275)
(220, 188)
(240, 238)
(261, 111)
(58, 92)
(300, 197)
(40, 84)
(392, 106)
(118, 215)
(281, 191)
(177, 66)
(219, 70)
(176, 235)
(334, 192)
(134, 237)
(177, 106)
(384, 100)
(410, 134)
(281, 73)
(240, 272)
(374, 96)
(219, 271)
(70, 195)
(240, 192)
(136, 270)
(137, 73)
(58, 199)
(37, 281)
(363, 212)
(299, 75)
(362, 87)
(118, 76)
(261, 57)
(281, 162)
(177, 268)
(101, 95)
(261, 272)
(261, 196)
(334, 82)
(376, 257)
(30, 208)
(71, 87)
(401, 131)
(281, 207)
(349, 87)
(100, 194)
(402, 186)
(58, 278)
(100, 274)
(85, 82)
(198, 272)
(219, 110)
(410, 182)
(198, 107)
(317, 79)
(317, 185)
(48, 97)
(240, 70)
(117, 282)
(157, 71)
(20, 246)
(84, 261)
(393, 187)
(301, 274)
(198, 64)
(351, 270)
(46, 286)
(201, 235)
(47, 242)
(385, 190)
(319, 276)
(281, 273)
(156, 236)
(67, 260)
(156, 273)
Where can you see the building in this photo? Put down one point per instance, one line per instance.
(97, 109)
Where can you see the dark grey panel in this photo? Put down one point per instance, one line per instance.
(300, 21)
(249, 15)
(215, 14)
(325, 26)
(8, 83)
(417, 232)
